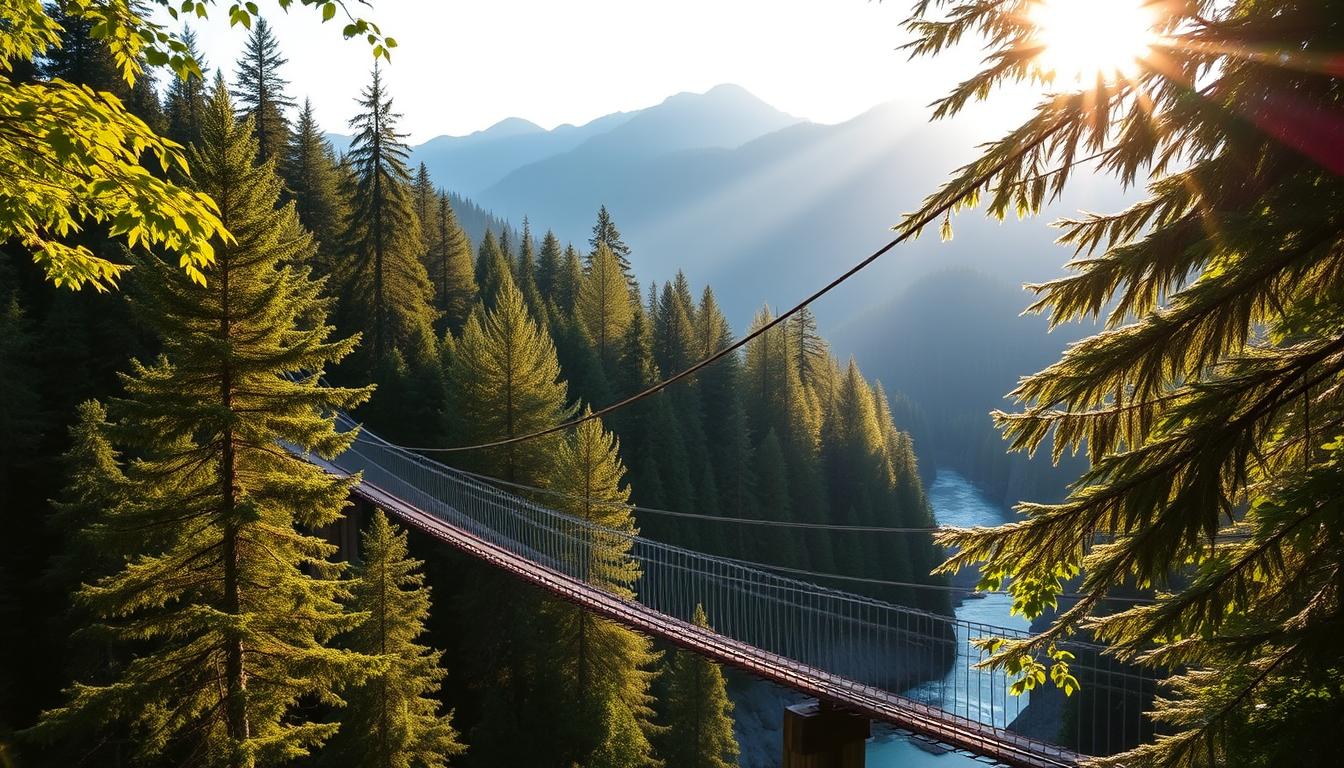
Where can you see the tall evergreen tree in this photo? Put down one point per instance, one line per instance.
(392, 719)
(261, 91)
(492, 268)
(505, 381)
(699, 713)
(526, 273)
(549, 262)
(209, 598)
(423, 199)
(186, 98)
(606, 233)
(604, 302)
(312, 178)
(569, 283)
(604, 664)
(450, 268)
(1210, 402)
(385, 281)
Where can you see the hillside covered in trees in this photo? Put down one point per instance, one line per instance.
(164, 597)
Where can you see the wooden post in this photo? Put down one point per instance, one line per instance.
(820, 736)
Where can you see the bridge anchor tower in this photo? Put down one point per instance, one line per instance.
(817, 735)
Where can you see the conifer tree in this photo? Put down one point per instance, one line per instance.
(549, 262)
(95, 485)
(492, 267)
(186, 98)
(812, 358)
(727, 434)
(210, 595)
(526, 274)
(1208, 406)
(605, 664)
(384, 282)
(261, 91)
(313, 180)
(604, 302)
(450, 268)
(569, 283)
(20, 404)
(606, 233)
(505, 381)
(392, 718)
(426, 208)
(699, 713)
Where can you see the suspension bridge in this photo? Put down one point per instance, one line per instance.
(912, 669)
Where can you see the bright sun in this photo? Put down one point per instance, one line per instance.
(1084, 39)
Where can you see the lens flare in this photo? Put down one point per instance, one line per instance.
(1082, 40)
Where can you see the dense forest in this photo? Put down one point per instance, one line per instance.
(154, 530)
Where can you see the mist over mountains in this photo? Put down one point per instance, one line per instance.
(761, 204)
(766, 207)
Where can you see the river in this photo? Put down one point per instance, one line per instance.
(955, 502)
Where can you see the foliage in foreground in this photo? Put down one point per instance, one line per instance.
(1211, 406)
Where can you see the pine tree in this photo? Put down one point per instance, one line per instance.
(261, 91)
(505, 381)
(423, 199)
(549, 262)
(312, 178)
(492, 268)
(604, 664)
(604, 302)
(1208, 406)
(186, 98)
(699, 712)
(526, 274)
(393, 718)
(209, 599)
(569, 283)
(95, 485)
(810, 352)
(606, 233)
(451, 269)
(385, 284)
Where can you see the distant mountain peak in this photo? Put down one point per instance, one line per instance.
(511, 126)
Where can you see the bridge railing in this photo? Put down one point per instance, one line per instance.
(922, 656)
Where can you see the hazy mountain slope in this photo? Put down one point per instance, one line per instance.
(773, 219)
(468, 164)
(953, 344)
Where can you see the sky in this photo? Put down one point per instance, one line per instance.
(463, 65)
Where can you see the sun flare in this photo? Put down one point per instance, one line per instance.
(1084, 39)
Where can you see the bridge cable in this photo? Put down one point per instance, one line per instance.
(907, 232)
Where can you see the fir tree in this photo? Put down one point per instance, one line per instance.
(604, 302)
(604, 664)
(526, 274)
(606, 233)
(1208, 406)
(392, 719)
(385, 281)
(261, 91)
(423, 199)
(505, 381)
(549, 262)
(450, 268)
(569, 283)
(699, 712)
(209, 596)
(492, 267)
(312, 178)
(186, 98)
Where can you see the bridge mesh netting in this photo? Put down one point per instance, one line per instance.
(914, 669)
